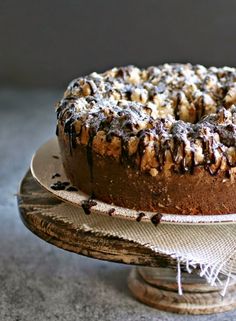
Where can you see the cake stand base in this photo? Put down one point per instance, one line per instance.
(158, 288)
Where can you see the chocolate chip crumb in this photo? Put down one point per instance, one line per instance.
(87, 204)
(111, 211)
(227, 174)
(156, 219)
(55, 156)
(140, 216)
(59, 186)
(72, 189)
(56, 175)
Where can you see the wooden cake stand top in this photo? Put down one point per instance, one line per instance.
(63, 235)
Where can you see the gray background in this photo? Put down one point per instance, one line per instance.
(47, 43)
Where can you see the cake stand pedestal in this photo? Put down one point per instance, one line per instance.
(152, 282)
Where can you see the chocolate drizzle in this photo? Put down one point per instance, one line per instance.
(90, 157)
(169, 117)
(69, 129)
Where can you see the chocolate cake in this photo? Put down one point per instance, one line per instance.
(160, 139)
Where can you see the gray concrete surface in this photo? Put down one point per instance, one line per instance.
(37, 280)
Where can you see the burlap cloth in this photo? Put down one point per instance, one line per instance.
(211, 247)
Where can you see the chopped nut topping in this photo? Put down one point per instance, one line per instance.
(170, 117)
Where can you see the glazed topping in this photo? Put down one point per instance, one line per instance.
(168, 117)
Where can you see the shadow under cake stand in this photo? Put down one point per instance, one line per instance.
(152, 281)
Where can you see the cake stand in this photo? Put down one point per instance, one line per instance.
(152, 281)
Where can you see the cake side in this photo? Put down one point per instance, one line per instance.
(168, 192)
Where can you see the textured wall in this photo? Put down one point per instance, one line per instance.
(47, 43)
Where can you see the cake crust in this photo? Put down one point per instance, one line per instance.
(157, 139)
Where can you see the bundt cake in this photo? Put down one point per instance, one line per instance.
(158, 139)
